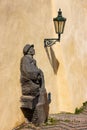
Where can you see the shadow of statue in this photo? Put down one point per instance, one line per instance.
(52, 59)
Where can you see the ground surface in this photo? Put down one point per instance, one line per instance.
(63, 121)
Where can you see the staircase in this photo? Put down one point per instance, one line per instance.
(64, 121)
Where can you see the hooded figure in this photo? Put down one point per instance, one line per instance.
(30, 74)
(32, 83)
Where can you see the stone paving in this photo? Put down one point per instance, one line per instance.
(63, 121)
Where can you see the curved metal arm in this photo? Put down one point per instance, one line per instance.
(50, 42)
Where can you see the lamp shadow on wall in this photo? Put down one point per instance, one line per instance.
(52, 59)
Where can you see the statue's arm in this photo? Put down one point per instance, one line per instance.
(29, 69)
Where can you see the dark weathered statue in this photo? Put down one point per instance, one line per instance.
(35, 105)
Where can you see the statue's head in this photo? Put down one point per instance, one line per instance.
(28, 49)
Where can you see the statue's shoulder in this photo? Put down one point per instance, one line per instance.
(26, 58)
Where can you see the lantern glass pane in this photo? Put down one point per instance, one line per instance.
(56, 26)
(61, 26)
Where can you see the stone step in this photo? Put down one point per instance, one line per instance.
(85, 113)
(58, 127)
(81, 128)
(71, 124)
(85, 109)
(65, 122)
(67, 126)
(62, 126)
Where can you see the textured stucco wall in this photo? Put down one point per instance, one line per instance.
(74, 51)
(64, 65)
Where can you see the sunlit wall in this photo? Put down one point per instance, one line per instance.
(64, 64)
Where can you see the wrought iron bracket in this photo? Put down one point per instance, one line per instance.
(51, 41)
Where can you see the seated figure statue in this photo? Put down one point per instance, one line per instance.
(35, 105)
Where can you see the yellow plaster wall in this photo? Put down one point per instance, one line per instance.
(64, 65)
(74, 51)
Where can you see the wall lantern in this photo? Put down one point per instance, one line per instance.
(59, 23)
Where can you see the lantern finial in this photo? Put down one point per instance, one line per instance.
(59, 13)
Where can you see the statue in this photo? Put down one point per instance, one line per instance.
(35, 105)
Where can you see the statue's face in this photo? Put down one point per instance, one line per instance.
(31, 51)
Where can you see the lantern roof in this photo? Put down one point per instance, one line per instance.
(59, 17)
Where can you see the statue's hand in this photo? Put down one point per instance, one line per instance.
(39, 77)
(41, 72)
